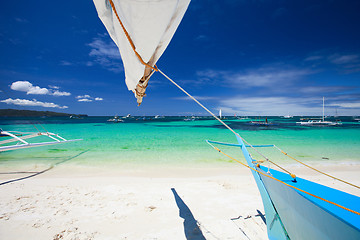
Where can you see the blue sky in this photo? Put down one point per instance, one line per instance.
(258, 57)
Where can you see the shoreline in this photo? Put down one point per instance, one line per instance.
(82, 202)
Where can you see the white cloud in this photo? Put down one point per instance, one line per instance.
(65, 63)
(84, 100)
(322, 89)
(29, 88)
(271, 106)
(102, 48)
(58, 93)
(313, 58)
(34, 102)
(88, 98)
(83, 96)
(265, 77)
(261, 77)
(25, 86)
(347, 105)
(54, 87)
(343, 59)
(203, 98)
(299, 106)
(105, 53)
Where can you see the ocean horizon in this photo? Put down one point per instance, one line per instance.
(180, 140)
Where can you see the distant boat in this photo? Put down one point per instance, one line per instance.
(220, 113)
(192, 118)
(321, 122)
(75, 117)
(127, 116)
(288, 116)
(116, 119)
(243, 118)
(158, 117)
(261, 123)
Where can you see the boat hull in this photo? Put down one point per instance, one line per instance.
(305, 217)
(292, 214)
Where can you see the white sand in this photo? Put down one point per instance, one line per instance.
(72, 202)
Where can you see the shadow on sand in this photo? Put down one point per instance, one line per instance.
(33, 174)
(191, 228)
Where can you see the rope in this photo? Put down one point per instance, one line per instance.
(129, 38)
(44, 128)
(269, 176)
(316, 169)
(223, 123)
(288, 172)
(35, 127)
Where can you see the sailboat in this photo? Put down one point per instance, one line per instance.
(321, 122)
(220, 114)
(294, 207)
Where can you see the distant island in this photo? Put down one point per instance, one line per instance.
(30, 113)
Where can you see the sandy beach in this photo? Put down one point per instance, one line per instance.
(77, 202)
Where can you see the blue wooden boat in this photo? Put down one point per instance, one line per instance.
(296, 208)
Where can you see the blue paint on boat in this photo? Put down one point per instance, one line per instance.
(307, 217)
(238, 145)
(292, 214)
(275, 228)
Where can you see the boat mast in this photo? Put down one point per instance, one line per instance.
(323, 111)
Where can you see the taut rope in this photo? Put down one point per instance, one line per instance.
(269, 176)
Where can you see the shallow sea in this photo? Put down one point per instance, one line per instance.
(173, 141)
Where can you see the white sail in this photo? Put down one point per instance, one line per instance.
(150, 24)
(220, 114)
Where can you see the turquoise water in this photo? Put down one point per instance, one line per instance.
(173, 141)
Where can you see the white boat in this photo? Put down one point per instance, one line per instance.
(192, 118)
(321, 122)
(313, 122)
(261, 123)
(158, 117)
(115, 119)
(243, 118)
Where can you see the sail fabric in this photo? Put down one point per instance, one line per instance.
(150, 23)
